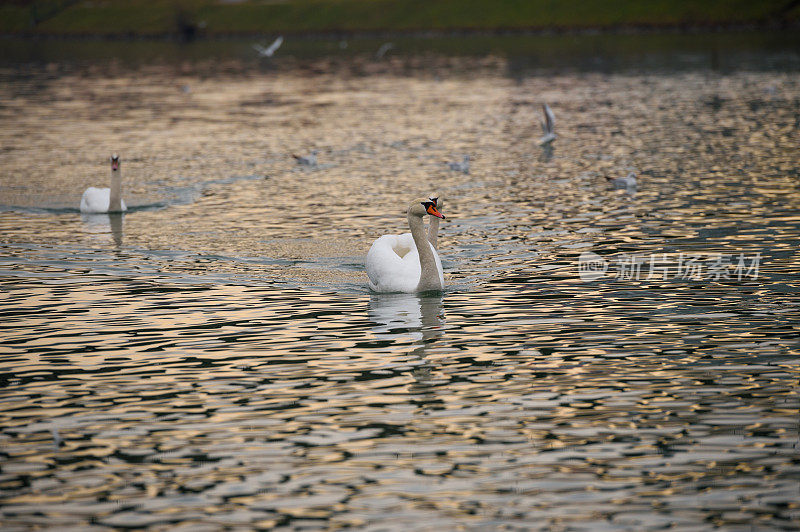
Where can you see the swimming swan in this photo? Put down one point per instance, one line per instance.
(407, 262)
(97, 200)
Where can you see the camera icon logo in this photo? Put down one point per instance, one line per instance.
(591, 266)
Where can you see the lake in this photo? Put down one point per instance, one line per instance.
(603, 357)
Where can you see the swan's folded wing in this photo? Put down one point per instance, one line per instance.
(388, 271)
(95, 200)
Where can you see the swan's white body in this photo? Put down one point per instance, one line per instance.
(407, 262)
(97, 200)
(393, 264)
(101, 200)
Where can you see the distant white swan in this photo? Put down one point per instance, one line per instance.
(548, 126)
(407, 262)
(269, 51)
(98, 200)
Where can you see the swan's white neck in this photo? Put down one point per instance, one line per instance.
(433, 232)
(429, 275)
(433, 227)
(115, 198)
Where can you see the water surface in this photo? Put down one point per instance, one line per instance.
(213, 357)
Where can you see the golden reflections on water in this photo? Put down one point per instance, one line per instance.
(213, 357)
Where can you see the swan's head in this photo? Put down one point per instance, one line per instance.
(114, 162)
(424, 206)
(437, 200)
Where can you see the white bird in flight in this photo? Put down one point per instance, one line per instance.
(268, 52)
(548, 126)
(57, 441)
(385, 47)
(307, 160)
(462, 166)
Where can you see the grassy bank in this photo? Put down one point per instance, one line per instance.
(212, 18)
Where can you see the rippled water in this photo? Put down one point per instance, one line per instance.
(213, 357)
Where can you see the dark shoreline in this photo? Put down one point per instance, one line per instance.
(638, 29)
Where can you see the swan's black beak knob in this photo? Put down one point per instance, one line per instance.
(433, 211)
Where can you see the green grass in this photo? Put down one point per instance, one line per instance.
(121, 17)
(14, 18)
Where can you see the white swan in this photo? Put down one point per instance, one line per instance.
(407, 262)
(97, 200)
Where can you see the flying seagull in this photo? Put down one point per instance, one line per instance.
(57, 441)
(547, 126)
(385, 47)
(462, 166)
(306, 160)
(268, 52)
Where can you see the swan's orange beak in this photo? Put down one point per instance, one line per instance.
(433, 212)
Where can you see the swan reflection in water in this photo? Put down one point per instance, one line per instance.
(105, 223)
(402, 315)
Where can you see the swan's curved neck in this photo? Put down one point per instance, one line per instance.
(433, 232)
(429, 275)
(115, 198)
